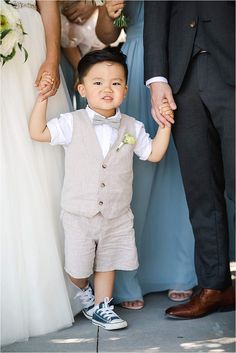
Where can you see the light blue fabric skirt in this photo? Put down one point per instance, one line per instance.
(163, 231)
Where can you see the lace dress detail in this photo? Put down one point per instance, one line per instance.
(27, 3)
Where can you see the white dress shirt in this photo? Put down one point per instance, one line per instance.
(61, 134)
(156, 79)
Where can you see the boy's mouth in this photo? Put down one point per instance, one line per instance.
(107, 98)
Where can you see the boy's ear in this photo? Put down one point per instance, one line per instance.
(126, 90)
(81, 90)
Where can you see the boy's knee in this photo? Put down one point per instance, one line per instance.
(79, 282)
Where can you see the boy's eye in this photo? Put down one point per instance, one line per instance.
(98, 83)
(116, 84)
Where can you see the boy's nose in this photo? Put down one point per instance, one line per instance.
(108, 88)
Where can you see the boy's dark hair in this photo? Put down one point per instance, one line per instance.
(97, 56)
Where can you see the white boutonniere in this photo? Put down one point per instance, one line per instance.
(11, 32)
(128, 139)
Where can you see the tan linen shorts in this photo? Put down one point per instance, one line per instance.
(98, 244)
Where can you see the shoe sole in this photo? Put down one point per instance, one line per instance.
(179, 300)
(86, 315)
(111, 326)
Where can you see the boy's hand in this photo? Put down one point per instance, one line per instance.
(45, 85)
(160, 91)
(166, 111)
(52, 69)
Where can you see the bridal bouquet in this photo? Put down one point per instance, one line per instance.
(121, 21)
(11, 32)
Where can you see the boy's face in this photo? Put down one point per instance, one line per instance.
(104, 87)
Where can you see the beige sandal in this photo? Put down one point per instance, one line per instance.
(173, 295)
(133, 304)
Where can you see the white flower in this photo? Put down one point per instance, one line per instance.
(10, 13)
(8, 44)
(11, 32)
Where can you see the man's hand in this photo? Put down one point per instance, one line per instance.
(161, 91)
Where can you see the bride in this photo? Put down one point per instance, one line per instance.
(34, 297)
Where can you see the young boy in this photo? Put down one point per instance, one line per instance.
(99, 144)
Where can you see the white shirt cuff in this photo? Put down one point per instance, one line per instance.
(61, 129)
(156, 79)
(146, 153)
(53, 130)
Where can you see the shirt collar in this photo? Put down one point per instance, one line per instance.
(91, 113)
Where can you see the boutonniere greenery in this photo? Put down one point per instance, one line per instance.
(128, 139)
(11, 32)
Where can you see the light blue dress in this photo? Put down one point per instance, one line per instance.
(164, 235)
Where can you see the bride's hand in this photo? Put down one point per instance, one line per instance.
(53, 71)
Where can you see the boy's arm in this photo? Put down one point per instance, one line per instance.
(37, 124)
(160, 144)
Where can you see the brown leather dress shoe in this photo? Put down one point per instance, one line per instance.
(203, 303)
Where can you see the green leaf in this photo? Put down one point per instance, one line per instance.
(26, 54)
(25, 51)
(121, 21)
(9, 57)
(4, 33)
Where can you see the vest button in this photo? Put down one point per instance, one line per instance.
(104, 166)
(103, 185)
(100, 203)
(192, 24)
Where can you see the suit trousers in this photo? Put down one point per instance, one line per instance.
(204, 137)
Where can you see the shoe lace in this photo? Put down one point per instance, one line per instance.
(86, 297)
(106, 310)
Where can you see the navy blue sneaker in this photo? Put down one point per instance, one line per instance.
(105, 317)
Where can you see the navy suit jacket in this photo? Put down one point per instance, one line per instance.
(170, 29)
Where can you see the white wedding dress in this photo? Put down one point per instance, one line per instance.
(34, 298)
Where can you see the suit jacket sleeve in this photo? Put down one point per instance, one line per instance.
(156, 32)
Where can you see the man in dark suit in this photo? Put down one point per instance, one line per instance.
(189, 59)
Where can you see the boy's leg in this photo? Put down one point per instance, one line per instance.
(82, 297)
(79, 282)
(80, 248)
(103, 285)
(103, 315)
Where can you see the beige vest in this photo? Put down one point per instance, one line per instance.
(93, 184)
